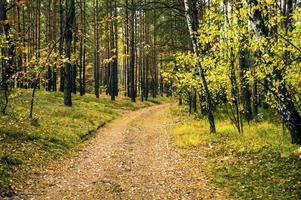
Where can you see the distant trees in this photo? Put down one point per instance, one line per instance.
(58, 45)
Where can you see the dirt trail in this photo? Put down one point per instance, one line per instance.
(131, 158)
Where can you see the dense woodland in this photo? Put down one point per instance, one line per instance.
(242, 54)
(241, 58)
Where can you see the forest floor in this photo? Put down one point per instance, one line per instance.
(261, 163)
(55, 131)
(133, 157)
(141, 152)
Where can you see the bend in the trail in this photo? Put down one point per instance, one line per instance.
(130, 158)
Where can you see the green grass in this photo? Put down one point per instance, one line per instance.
(59, 129)
(160, 100)
(260, 164)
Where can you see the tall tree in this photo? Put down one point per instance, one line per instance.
(132, 53)
(284, 99)
(114, 46)
(70, 22)
(96, 50)
(191, 14)
(61, 45)
(7, 55)
(82, 44)
(245, 64)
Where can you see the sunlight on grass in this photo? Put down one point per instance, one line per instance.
(258, 164)
(189, 135)
(59, 128)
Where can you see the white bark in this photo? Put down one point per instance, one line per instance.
(190, 27)
(192, 32)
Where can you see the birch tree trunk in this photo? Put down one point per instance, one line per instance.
(191, 14)
(285, 104)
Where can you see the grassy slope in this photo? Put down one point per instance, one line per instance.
(23, 146)
(261, 164)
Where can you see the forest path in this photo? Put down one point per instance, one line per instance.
(130, 158)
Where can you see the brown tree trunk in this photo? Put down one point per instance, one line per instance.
(132, 54)
(61, 45)
(68, 37)
(96, 50)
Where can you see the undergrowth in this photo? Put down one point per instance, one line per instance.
(258, 164)
(56, 129)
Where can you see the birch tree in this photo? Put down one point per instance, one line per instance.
(191, 14)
